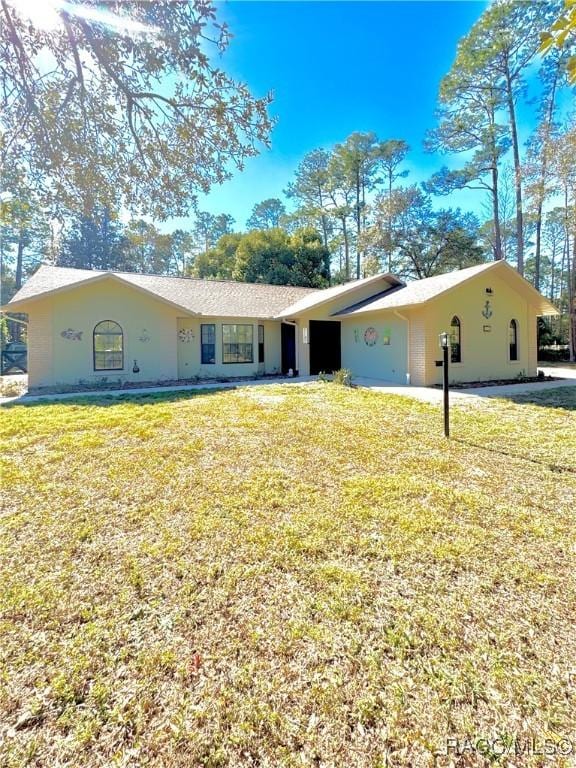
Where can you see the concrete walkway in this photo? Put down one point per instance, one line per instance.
(425, 394)
(557, 370)
(471, 395)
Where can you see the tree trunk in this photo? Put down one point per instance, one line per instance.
(346, 248)
(19, 259)
(572, 308)
(542, 186)
(496, 215)
(491, 112)
(562, 277)
(538, 248)
(572, 301)
(358, 228)
(364, 225)
(324, 230)
(517, 174)
(552, 272)
(570, 277)
(323, 218)
(389, 243)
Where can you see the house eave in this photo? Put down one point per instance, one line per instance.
(289, 312)
(22, 304)
(540, 304)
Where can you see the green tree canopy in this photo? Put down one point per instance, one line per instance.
(209, 228)
(95, 242)
(25, 234)
(561, 34)
(267, 215)
(309, 190)
(275, 257)
(429, 242)
(123, 103)
(268, 256)
(218, 262)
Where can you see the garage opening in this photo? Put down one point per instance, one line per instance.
(325, 347)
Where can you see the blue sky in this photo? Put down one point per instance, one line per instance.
(335, 68)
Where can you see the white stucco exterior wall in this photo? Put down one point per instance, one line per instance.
(61, 335)
(385, 344)
(485, 339)
(189, 349)
(61, 338)
(375, 346)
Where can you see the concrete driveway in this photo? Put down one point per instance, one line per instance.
(432, 395)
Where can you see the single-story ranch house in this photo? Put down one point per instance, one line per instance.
(85, 325)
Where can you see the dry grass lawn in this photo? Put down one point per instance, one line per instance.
(287, 576)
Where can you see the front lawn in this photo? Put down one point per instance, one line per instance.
(287, 576)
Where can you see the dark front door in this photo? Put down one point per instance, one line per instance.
(324, 346)
(288, 347)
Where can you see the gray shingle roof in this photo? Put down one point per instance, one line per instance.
(420, 291)
(225, 298)
(318, 298)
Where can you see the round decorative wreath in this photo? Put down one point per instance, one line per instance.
(186, 334)
(370, 336)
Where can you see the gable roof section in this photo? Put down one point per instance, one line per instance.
(224, 298)
(52, 279)
(324, 295)
(227, 298)
(422, 291)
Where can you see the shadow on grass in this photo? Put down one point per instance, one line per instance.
(560, 468)
(563, 398)
(106, 400)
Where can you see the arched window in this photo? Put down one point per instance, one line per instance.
(108, 344)
(455, 340)
(513, 339)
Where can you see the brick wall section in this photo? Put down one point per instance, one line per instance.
(417, 362)
(532, 342)
(40, 345)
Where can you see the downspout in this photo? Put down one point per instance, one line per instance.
(408, 374)
(296, 343)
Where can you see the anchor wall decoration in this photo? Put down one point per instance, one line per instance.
(487, 311)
